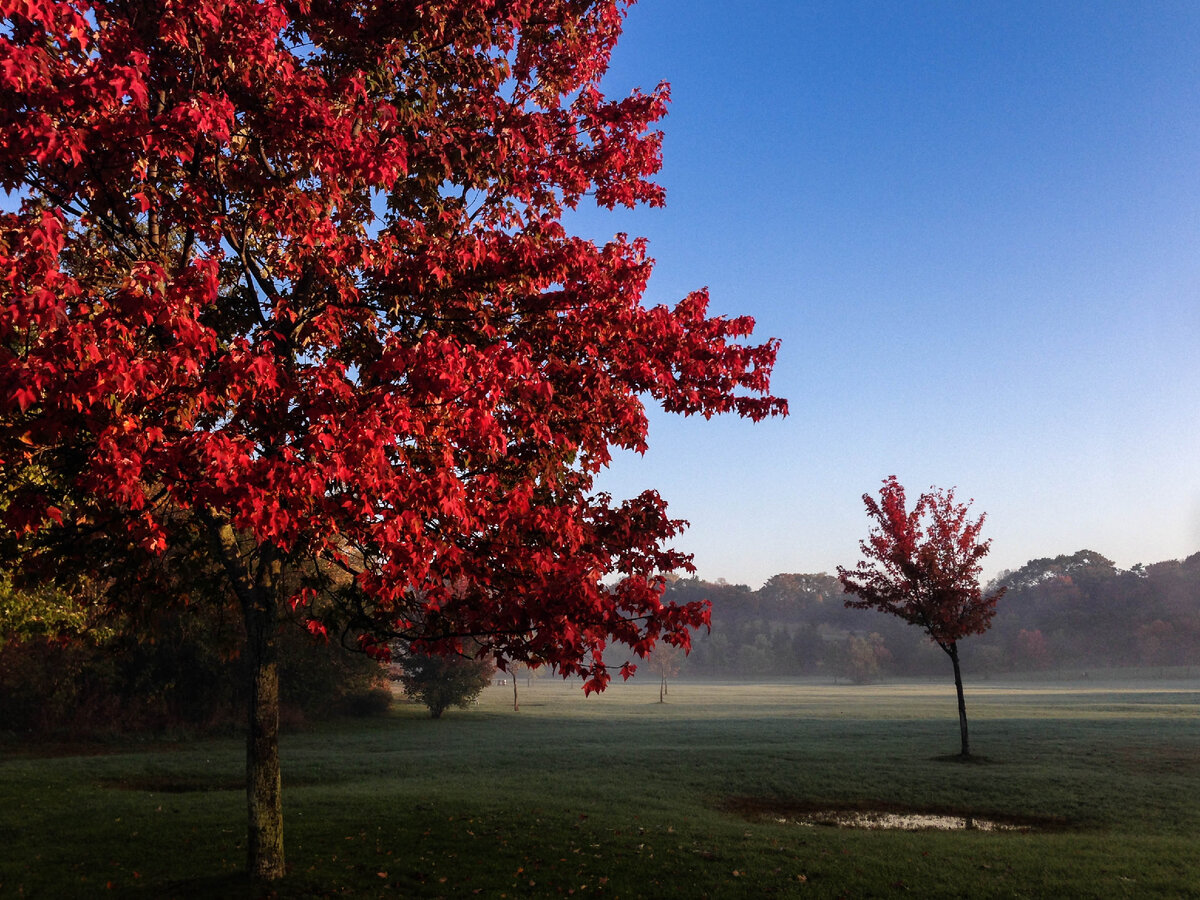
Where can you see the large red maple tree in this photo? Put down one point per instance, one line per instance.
(289, 292)
(922, 565)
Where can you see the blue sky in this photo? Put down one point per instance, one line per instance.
(976, 229)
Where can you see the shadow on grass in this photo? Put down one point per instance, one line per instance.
(971, 759)
(161, 784)
(238, 886)
(198, 784)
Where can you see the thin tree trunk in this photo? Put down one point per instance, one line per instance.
(952, 650)
(662, 687)
(516, 705)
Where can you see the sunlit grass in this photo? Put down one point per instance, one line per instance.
(618, 795)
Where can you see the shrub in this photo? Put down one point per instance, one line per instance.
(444, 681)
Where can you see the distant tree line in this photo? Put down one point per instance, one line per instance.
(74, 670)
(1075, 611)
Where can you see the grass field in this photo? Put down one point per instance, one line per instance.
(619, 796)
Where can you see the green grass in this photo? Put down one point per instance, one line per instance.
(618, 796)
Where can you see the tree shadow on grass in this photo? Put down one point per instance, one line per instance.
(238, 886)
(192, 783)
(973, 759)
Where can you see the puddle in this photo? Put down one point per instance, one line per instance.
(884, 816)
(890, 821)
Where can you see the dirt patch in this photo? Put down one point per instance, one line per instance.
(885, 816)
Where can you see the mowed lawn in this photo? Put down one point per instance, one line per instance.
(619, 796)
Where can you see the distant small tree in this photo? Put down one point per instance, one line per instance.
(444, 681)
(514, 669)
(923, 566)
(666, 660)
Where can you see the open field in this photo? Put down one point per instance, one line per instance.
(619, 796)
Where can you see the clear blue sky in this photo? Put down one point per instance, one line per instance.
(976, 229)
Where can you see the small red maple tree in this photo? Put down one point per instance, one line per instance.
(922, 565)
(288, 298)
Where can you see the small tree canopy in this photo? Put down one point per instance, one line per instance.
(922, 565)
(444, 681)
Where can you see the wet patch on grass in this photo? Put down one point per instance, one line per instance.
(888, 821)
(886, 816)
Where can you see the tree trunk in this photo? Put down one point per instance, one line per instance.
(258, 593)
(662, 687)
(952, 650)
(264, 800)
(516, 705)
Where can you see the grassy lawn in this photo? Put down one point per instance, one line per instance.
(619, 796)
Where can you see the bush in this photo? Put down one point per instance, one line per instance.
(444, 681)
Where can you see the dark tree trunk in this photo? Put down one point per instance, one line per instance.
(258, 594)
(516, 705)
(952, 651)
(264, 796)
(662, 687)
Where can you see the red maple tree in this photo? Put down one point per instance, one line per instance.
(289, 293)
(922, 565)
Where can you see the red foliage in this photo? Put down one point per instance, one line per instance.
(297, 269)
(289, 291)
(922, 565)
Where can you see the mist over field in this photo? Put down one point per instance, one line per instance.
(1075, 612)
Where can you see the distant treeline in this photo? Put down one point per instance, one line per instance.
(1075, 611)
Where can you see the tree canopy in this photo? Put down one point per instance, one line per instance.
(289, 292)
(923, 564)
